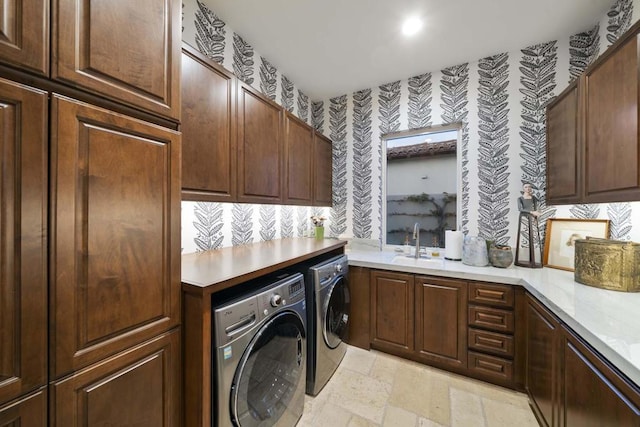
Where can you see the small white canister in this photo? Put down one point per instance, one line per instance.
(474, 251)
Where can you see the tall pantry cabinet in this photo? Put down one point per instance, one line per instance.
(90, 213)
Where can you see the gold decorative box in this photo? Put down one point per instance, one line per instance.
(608, 264)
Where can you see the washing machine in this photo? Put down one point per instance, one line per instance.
(260, 347)
(327, 319)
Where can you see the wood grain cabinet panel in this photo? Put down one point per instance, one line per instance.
(23, 239)
(490, 318)
(491, 294)
(128, 51)
(441, 321)
(115, 262)
(24, 35)
(592, 394)
(564, 147)
(29, 411)
(139, 387)
(392, 312)
(259, 168)
(612, 146)
(542, 362)
(359, 318)
(323, 171)
(299, 158)
(208, 129)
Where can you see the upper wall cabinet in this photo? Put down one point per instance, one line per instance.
(298, 160)
(593, 144)
(24, 35)
(563, 148)
(259, 147)
(322, 172)
(208, 129)
(128, 51)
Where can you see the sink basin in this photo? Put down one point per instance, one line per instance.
(420, 262)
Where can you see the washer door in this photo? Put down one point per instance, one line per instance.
(336, 312)
(271, 374)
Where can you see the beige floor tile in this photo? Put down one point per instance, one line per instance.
(384, 368)
(398, 417)
(422, 391)
(500, 414)
(360, 394)
(359, 360)
(423, 422)
(466, 409)
(357, 421)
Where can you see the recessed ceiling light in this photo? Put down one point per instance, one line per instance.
(411, 26)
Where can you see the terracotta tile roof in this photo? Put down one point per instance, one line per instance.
(424, 149)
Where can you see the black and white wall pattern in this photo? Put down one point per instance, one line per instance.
(215, 225)
(498, 100)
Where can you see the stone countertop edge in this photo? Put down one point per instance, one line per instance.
(608, 320)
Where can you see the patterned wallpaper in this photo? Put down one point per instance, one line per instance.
(499, 100)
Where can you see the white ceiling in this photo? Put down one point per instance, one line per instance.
(332, 47)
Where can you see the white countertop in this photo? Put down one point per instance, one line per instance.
(608, 320)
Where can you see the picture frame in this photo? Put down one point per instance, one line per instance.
(559, 250)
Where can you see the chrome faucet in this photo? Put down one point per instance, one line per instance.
(416, 237)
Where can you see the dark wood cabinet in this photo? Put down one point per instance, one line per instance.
(591, 393)
(299, 153)
(323, 171)
(115, 259)
(123, 50)
(611, 143)
(208, 129)
(441, 321)
(542, 364)
(24, 35)
(23, 239)
(564, 148)
(28, 411)
(138, 387)
(392, 311)
(360, 293)
(259, 167)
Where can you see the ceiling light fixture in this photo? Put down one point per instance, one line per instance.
(411, 26)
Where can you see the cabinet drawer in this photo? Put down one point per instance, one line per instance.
(491, 342)
(491, 294)
(491, 318)
(490, 366)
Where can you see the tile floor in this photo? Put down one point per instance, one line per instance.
(376, 389)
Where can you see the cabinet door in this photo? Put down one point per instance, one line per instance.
(298, 159)
(24, 35)
(563, 148)
(259, 147)
(542, 362)
(208, 129)
(139, 387)
(441, 321)
(125, 50)
(359, 317)
(115, 261)
(612, 157)
(323, 171)
(23, 239)
(392, 311)
(30, 411)
(593, 394)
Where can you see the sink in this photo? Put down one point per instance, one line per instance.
(420, 262)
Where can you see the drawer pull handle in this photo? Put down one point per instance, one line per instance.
(490, 366)
(490, 342)
(490, 318)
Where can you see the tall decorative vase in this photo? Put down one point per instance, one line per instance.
(319, 232)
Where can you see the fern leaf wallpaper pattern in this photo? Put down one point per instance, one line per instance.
(493, 161)
(338, 134)
(303, 106)
(267, 222)
(210, 33)
(268, 79)
(287, 94)
(354, 129)
(454, 86)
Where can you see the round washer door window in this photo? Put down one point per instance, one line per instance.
(271, 373)
(336, 315)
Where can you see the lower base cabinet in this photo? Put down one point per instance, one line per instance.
(138, 387)
(568, 383)
(29, 411)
